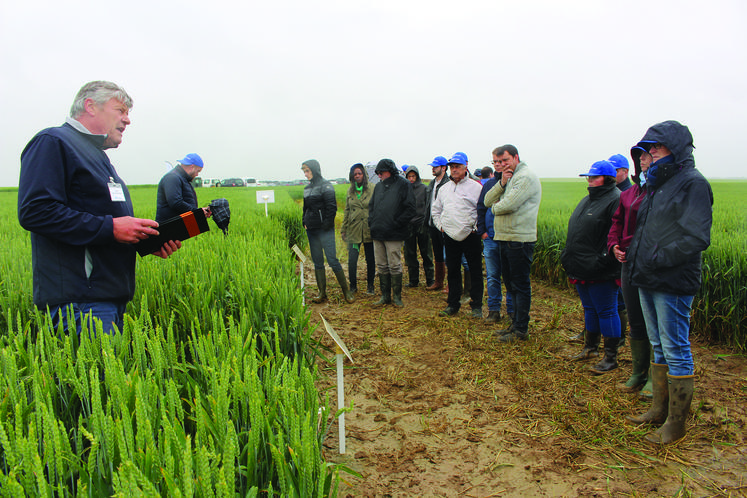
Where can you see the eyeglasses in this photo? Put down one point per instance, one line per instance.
(657, 146)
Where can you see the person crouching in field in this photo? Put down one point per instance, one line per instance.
(355, 229)
(672, 231)
(591, 268)
(319, 209)
(390, 212)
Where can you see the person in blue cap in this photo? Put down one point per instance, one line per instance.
(176, 194)
(622, 169)
(592, 268)
(439, 165)
(455, 214)
(673, 229)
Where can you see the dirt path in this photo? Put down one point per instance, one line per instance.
(441, 409)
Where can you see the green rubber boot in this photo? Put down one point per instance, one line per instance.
(640, 350)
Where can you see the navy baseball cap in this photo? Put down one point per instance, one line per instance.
(601, 168)
(192, 159)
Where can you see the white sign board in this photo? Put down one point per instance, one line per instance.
(337, 338)
(265, 196)
(299, 254)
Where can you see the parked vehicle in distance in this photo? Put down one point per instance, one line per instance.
(251, 182)
(232, 182)
(206, 182)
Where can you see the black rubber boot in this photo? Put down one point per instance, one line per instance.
(609, 362)
(657, 414)
(591, 346)
(623, 313)
(385, 283)
(397, 290)
(353, 278)
(321, 284)
(349, 297)
(640, 351)
(680, 397)
(467, 283)
(579, 338)
(414, 277)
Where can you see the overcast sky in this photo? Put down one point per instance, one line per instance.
(256, 88)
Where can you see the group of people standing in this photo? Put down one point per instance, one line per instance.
(633, 251)
(451, 222)
(643, 241)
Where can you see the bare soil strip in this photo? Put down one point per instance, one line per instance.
(439, 408)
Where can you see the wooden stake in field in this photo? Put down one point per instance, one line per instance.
(341, 348)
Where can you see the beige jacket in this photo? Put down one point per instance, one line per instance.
(516, 206)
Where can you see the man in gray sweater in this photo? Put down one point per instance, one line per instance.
(515, 201)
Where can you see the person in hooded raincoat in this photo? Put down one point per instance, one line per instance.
(355, 229)
(319, 210)
(420, 237)
(673, 229)
(390, 213)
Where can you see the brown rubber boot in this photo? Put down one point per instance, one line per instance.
(680, 397)
(657, 414)
(440, 274)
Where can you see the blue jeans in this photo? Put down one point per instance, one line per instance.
(321, 243)
(491, 249)
(516, 265)
(600, 307)
(111, 315)
(667, 319)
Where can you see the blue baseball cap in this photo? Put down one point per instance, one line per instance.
(619, 161)
(438, 161)
(601, 168)
(192, 159)
(458, 158)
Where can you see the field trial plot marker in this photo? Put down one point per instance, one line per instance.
(341, 348)
(265, 197)
(301, 261)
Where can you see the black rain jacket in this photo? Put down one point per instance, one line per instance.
(319, 200)
(585, 256)
(674, 220)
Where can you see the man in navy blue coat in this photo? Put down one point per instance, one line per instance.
(79, 211)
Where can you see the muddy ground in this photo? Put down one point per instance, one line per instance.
(439, 408)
